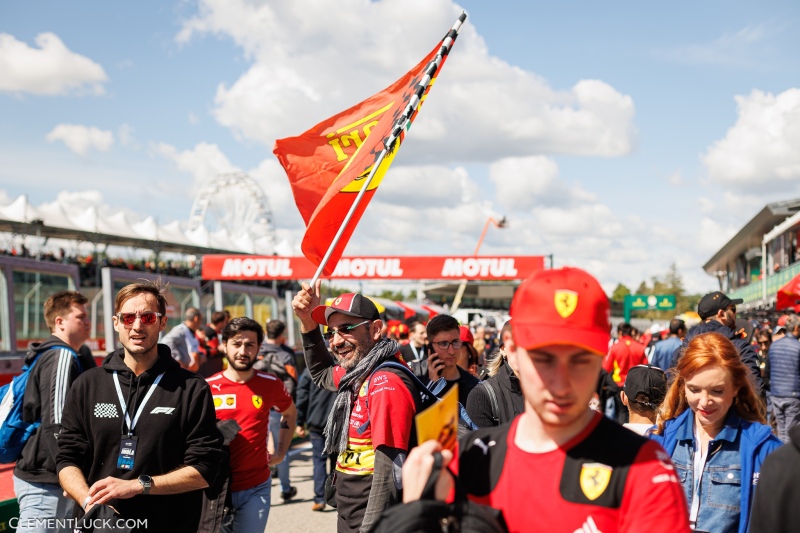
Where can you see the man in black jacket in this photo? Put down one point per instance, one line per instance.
(55, 368)
(775, 507)
(140, 426)
(719, 315)
(313, 407)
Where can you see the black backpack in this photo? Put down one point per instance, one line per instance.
(429, 515)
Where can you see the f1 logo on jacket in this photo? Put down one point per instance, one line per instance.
(162, 410)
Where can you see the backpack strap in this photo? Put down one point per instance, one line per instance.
(492, 401)
(425, 393)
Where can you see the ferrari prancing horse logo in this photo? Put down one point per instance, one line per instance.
(594, 479)
(566, 302)
(257, 401)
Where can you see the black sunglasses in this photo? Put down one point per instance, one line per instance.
(342, 331)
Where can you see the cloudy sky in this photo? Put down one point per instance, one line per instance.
(619, 137)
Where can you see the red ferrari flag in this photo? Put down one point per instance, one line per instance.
(335, 167)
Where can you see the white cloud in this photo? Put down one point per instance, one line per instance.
(305, 69)
(712, 235)
(427, 186)
(742, 48)
(761, 147)
(676, 179)
(204, 162)
(125, 135)
(81, 139)
(524, 182)
(50, 69)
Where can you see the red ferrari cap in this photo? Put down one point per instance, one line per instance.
(561, 306)
(466, 335)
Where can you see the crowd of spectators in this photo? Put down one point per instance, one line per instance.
(89, 265)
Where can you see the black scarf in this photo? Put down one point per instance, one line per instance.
(337, 428)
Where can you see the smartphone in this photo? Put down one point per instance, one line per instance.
(435, 357)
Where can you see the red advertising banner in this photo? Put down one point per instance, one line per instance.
(241, 267)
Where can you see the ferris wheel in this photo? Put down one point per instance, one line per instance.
(236, 203)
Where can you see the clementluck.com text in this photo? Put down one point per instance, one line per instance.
(79, 523)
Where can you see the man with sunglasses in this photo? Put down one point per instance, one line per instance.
(444, 336)
(139, 433)
(370, 426)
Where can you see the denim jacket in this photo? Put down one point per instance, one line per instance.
(731, 470)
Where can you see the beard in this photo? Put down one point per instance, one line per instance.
(241, 365)
(349, 354)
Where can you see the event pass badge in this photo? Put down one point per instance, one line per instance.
(127, 452)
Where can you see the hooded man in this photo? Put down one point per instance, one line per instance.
(56, 368)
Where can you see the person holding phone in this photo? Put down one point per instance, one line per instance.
(444, 338)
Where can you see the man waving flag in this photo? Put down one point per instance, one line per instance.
(335, 167)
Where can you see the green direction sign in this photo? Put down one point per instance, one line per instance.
(648, 302)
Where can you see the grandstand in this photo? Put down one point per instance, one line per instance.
(35, 263)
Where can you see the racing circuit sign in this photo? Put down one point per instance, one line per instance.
(240, 267)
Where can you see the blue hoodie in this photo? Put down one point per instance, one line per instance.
(755, 442)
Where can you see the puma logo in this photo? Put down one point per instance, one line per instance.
(484, 446)
(218, 386)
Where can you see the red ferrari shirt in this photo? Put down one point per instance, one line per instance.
(249, 404)
(607, 479)
(624, 355)
(391, 412)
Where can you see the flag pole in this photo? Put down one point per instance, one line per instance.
(349, 215)
(389, 143)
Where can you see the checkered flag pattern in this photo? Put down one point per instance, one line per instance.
(105, 410)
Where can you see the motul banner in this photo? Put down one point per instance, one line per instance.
(240, 267)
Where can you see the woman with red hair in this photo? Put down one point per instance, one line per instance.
(713, 427)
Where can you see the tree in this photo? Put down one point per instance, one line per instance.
(669, 283)
(620, 293)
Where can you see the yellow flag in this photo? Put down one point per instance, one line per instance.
(440, 421)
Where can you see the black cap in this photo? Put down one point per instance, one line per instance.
(648, 380)
(351, 304)
(711, 303)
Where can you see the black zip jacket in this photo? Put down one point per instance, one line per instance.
(510, 402)
(45, 394)
(775, 507)
(746, 351)
(313, 403)
(177, 427)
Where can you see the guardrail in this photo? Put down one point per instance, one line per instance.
(753, 292)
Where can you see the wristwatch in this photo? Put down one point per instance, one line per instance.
(146, 482)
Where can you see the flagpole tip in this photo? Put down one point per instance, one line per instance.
(463, 16)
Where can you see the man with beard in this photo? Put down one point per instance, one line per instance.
(371, 422)
(245, 395)
(140, 426)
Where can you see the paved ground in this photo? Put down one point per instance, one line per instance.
(296, 516)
